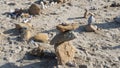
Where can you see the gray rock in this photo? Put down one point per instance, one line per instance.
(62, 37)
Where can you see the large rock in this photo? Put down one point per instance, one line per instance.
(34, 9)
(65, 53)
(67, 27)
(91, 28)
(42, 37)
(62, 37)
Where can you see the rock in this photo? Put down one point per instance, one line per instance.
(91, 28)
(114, 4)
(83, 66)
(26, 35)
(86, 13)
(34, 9)
(42, 37)
(62, 37)
(43, 51)
(65, 53)
(23, 25)
(67, 27)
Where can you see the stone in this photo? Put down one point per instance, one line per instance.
(34, 9)
(42, 37)
(65, 52)
(67, 27)
(91, 28)
(23, 25)
(62, 37)
(26, 35)
(43, 51)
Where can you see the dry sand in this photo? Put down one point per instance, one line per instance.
(96, 50)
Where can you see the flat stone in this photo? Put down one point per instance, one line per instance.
(62, 37)
(67, 27)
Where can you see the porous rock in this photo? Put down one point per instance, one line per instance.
(42, 37)
(65, 52)
(67, 27)
(34, 9)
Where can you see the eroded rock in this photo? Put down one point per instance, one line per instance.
(65, 52)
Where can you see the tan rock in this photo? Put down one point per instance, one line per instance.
(23, 25)
(65, 52)
(42, 37)
(34, 9)
(67, 27)
(26, 35)
(91, 28)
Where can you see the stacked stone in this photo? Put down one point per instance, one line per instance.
(64, 50)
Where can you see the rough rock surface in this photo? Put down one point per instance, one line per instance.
(65, 52)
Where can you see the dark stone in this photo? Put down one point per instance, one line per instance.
(83, 66)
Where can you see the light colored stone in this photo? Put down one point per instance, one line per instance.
(42, 37)
(34, 9)
(67, 27)
(65, 52)
(23, 25)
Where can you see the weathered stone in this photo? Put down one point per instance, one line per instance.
(91, 28)
(42, 37)
(65, 53)
(62, 37)
(26, 35)
(23, 25)
(43, 51)
(67, 27)
(34, 9)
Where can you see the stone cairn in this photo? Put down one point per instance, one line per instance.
(64, 50)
